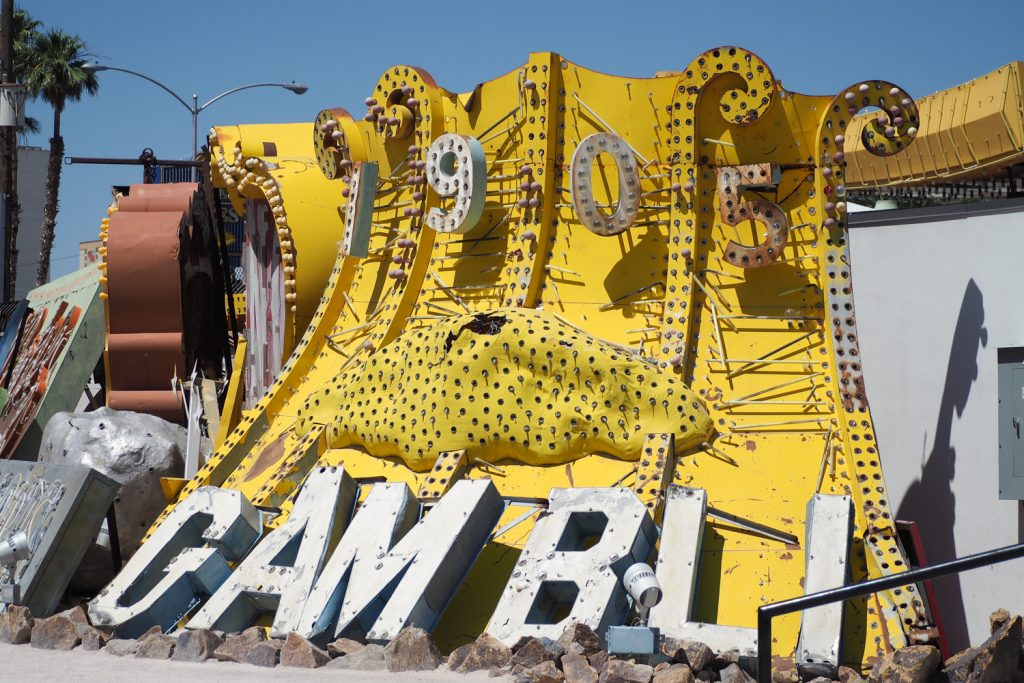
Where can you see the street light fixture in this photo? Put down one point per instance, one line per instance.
(195, 107)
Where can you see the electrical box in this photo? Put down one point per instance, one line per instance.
(1011, 423)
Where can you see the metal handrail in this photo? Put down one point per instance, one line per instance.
(765, 613)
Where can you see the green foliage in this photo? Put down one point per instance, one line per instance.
(53, 69)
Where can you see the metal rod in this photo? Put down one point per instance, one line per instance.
(766, 613)
(780, 423)
(639, 156)
(777, 386)
(772, 353)
(447, 290)
(753, 526)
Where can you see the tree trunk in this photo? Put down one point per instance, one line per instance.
(50, 208)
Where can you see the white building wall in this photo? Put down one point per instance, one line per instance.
(935, 300)
(31, 196)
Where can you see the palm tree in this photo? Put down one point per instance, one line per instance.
(54, 72)
(26, 30)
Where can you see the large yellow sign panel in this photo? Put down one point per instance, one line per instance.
(688, 232)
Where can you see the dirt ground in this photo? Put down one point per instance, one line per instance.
(26, 663)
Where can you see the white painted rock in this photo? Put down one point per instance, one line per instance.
(134, 449)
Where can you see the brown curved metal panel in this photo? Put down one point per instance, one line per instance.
(145, 320)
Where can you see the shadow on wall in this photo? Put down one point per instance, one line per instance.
(930, 500)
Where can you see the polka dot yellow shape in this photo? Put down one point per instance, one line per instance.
(513, 383)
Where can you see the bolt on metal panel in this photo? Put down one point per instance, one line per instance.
(573, 564)
(60, 509)
(276, 577)
(829, 525)
(184, 561)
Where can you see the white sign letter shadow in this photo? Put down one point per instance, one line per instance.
(184, 561)
(829, 529)
(389, 571)
(678, 566)
(277, 575)
(572, 565)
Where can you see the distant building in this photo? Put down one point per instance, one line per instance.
(31, 196)
(89, 253)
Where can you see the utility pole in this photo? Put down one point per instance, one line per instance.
(9, 147)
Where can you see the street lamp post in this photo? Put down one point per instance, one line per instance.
(195, 107)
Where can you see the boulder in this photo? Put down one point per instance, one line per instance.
(343, 646)
(997, 659)
(16, 625)
(196, 645)
(545, 672)
(236, 648)
(93, 639)
(673, 673)
(577, 669)
(156, 646)
(734, 674)
(300, 653)
(412, 650)
(55, 633)
(485, 653)
(370, 658)
(580, 639)
(691, 652)
(528, 652)
(598, 660)
(265, 653)
(622, 671)
(78, 617)
(131, 448)
(848, 675)
(914, 664)
(121, 647)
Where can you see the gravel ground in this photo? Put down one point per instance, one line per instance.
(26, 663)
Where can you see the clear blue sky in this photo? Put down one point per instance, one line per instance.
(339, 49)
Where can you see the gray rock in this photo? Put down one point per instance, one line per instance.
(131, 448)
(196, 645)
(580, 639)
(914, 664)
(236, 647)
(93, 639)
(299, 652)
(577, 669)
(530, 652)
(598, 660)
(55, 633)
(121, 647)
(848, 675)
(266, 653)
(622, 671)
(820, 679)
(485, 653)
(156, 646)
(673, 673)
(343, 646)
(997, 659)
(370, 658)
(412, 650)
(545, 672)
(734, 674)
(16, 625)
(692, 652)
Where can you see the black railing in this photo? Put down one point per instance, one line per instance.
(766, 613)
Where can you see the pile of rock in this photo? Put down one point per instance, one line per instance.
(578, 656)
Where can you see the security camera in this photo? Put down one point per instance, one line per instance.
(14, 549)
(642, 585)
